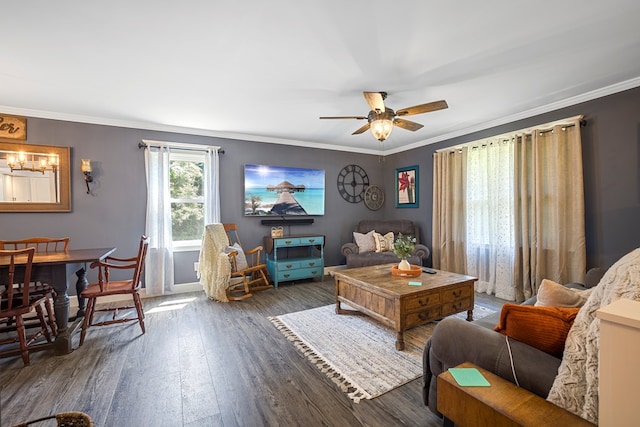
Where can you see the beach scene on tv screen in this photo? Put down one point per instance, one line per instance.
(277, 190)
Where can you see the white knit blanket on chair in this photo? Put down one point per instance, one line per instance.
(576, 385)
(214, 267)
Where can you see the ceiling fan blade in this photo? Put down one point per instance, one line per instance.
(408, 125)
(345, 117)
(362, 129)
(375, 100)
(423, 108)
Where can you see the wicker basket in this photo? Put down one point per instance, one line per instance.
(64, 419)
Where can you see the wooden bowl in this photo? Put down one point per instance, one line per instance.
(415, 271)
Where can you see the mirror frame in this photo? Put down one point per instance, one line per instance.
(64, 175)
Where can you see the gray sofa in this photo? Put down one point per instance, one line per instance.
(356, 259)
(455, 341)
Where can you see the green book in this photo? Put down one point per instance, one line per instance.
(469, 377)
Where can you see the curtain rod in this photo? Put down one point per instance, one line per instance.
(181, 145)
(542, 128)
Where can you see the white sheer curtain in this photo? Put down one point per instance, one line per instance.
(211, 187)
(490, 217)
(159, 263)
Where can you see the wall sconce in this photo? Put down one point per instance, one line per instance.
(86, 169)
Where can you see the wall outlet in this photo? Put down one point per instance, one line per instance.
(195, 266)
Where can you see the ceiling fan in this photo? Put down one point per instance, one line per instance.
(381, 119)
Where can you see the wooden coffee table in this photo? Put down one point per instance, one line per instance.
(390, 299)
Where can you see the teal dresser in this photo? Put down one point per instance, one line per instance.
(294, 257)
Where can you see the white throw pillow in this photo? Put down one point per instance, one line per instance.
(552, 294)
(241, 259)
(383, 243)
(365, 242)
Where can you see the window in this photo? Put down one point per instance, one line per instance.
(186, 192)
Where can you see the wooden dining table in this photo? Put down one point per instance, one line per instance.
(58, 269)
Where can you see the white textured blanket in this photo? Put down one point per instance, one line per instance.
(576, 386)
(214, 268)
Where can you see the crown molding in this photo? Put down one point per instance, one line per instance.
(567, 102)
(588, 96)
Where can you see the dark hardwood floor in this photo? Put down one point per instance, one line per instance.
(201, 363)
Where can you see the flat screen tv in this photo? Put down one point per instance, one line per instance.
(281, 191)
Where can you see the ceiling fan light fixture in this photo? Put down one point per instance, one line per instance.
(381, 129)
(381, 123)
(381, 119)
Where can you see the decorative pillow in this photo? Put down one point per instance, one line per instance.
(552, 294)
(365, 242)
(544, 328)
(383, 243)
(241, 259)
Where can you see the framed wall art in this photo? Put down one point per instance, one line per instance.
(407, 187)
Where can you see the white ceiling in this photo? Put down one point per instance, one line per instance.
(266, 70)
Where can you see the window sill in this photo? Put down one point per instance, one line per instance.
(186, 247)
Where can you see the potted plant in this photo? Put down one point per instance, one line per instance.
(403, 248)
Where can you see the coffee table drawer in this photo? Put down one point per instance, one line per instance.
(419, 302)
(454, 307)
(422, 317)
(458, 293)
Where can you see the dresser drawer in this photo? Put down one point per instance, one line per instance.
(311, 263)
(288, 265)
(286, 242)
(461, 292)
(422, 317)
(312, 240)
(419, 302)
(301, 273)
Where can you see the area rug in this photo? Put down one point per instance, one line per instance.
(357, 352)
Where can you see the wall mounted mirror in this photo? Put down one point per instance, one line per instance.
(34, 178)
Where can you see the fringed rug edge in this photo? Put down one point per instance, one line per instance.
(321, 363)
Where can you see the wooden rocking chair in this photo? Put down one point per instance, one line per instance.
(248, 273)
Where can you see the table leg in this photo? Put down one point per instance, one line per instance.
(57, 275)
(81, 285)
(61, 308)
(399, 340)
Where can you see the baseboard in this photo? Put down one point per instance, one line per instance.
(178, 289)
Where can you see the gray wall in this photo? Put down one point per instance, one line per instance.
(611, 161)
(114, 214)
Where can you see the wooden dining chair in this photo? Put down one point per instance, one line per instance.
(16, 302)
(42, 245)
(248, 272)
(106, 287)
